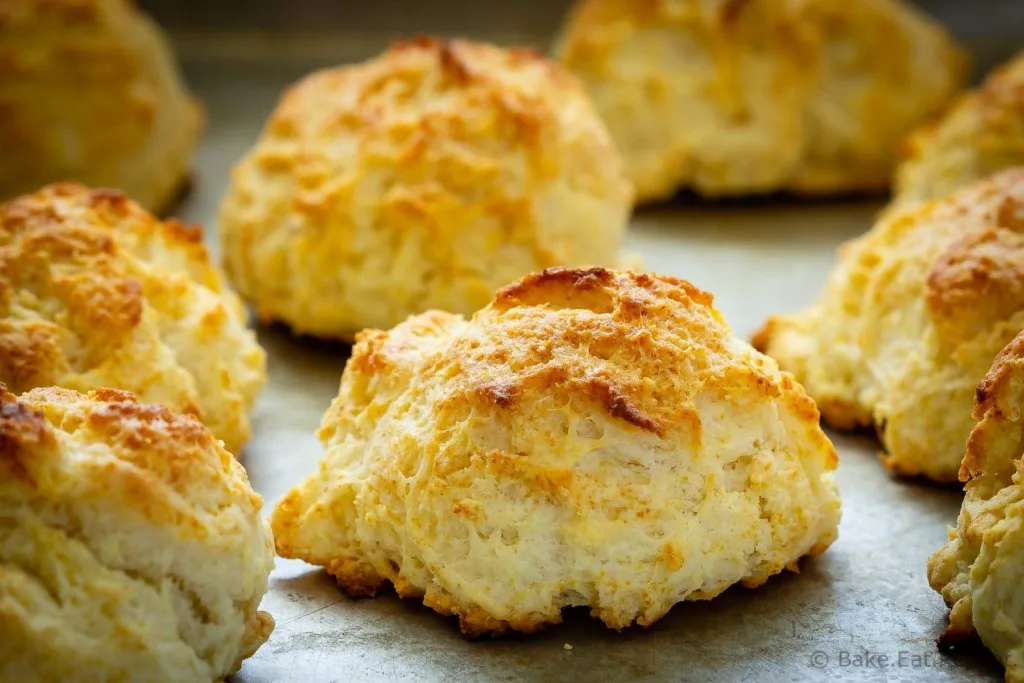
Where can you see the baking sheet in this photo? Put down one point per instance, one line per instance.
(862, 611)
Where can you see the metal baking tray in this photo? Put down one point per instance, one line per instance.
(862, 611)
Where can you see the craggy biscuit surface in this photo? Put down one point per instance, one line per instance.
(89, 91)
(95, 292)
(131, 544)
(590, 438)
(982, 133)
(425, 178)
(979, 572)
(910, 320)
(732, 97)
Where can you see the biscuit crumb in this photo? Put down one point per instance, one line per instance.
(979, 572)
(137, 550)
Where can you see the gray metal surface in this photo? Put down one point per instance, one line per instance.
(862, 611)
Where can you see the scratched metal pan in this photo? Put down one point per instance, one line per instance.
(862, 611)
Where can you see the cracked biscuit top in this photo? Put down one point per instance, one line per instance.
(425, 178)
(96, 292)
(591, 437)
(909, 321)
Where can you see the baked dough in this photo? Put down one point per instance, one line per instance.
(979, 572)
(425, 178)
(131, 546)
(590, 438)
(910, 320)
(95, 292)
(90, 91)
(736, 97)
(982, 133)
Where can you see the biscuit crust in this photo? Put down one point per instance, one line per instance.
(591, 438)
(131, 544)
(90, 91)
(736, 97)
(425, 178)
(909, 322)
(96, 292)
(979, 571)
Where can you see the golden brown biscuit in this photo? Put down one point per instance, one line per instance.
(89, 91)
(95, 292)
(910, 320)
(982, 133)
(425, 178)
(590, 438)
(131, 545)
(733, 97)
(979, 572)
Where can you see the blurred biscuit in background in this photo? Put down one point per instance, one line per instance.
(737, 97)
(90, 91)
(980, 134)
